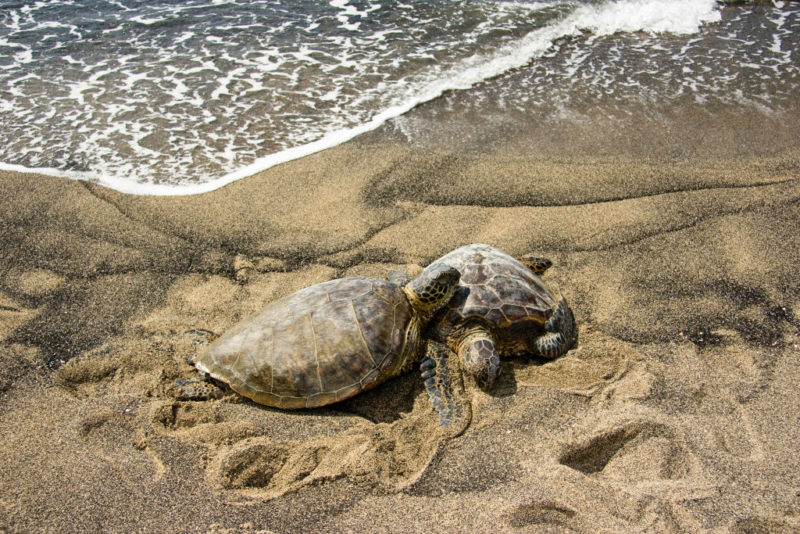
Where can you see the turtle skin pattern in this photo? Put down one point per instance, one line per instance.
(320, 345)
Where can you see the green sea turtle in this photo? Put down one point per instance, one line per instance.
(501, 307)
(327, 342)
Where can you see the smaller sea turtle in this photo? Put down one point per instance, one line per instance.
(327, 342)
(501, 307)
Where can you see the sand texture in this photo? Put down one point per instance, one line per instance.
(678, 412)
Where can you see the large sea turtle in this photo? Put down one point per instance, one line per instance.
(501, 307)
(327, 342)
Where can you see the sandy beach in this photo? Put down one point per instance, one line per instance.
(677, 412)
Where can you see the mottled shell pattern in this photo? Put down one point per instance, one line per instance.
(498, 292)
(322, 344)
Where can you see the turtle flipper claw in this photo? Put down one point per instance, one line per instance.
(444, 387)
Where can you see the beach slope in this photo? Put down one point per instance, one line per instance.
(678, 411)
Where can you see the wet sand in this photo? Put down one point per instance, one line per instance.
(677, 412)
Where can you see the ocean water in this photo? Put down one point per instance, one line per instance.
(183, 97)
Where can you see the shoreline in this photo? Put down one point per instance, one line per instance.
(175, 139)
(674, 413)
(677, 138)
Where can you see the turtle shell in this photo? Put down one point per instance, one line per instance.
(499, 292)
(320, 345)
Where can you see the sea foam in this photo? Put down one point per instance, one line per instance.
(386, 100)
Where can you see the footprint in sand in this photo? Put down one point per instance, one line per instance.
(242, 458)
(759, 524)
(204, 422)
(261, 461)
(389, 456)
(263, 468)
(116, 438)
(540, 514)
(634, 451)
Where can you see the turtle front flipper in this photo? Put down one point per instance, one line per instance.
(478, 353)
(562, 332)
(535, 263)
(445, 389)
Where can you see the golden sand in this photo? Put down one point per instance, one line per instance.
(678, 412)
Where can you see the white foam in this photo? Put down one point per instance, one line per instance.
(675, 16)
(347, 12)
(653, 16)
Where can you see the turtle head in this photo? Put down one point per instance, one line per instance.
(432, 289)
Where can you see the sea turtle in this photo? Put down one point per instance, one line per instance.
(501, 307)
(325, 343)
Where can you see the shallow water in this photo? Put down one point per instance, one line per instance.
(182, 97)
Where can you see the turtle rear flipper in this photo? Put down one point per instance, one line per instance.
(445, 389)
(536, 264)
(562, 332)
(201, 336)
(196, 389)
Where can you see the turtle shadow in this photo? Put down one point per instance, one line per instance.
(391, 400)
(385, 404)
(388, 402)
(506, 383)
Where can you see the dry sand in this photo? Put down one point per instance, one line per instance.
(679, 411)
